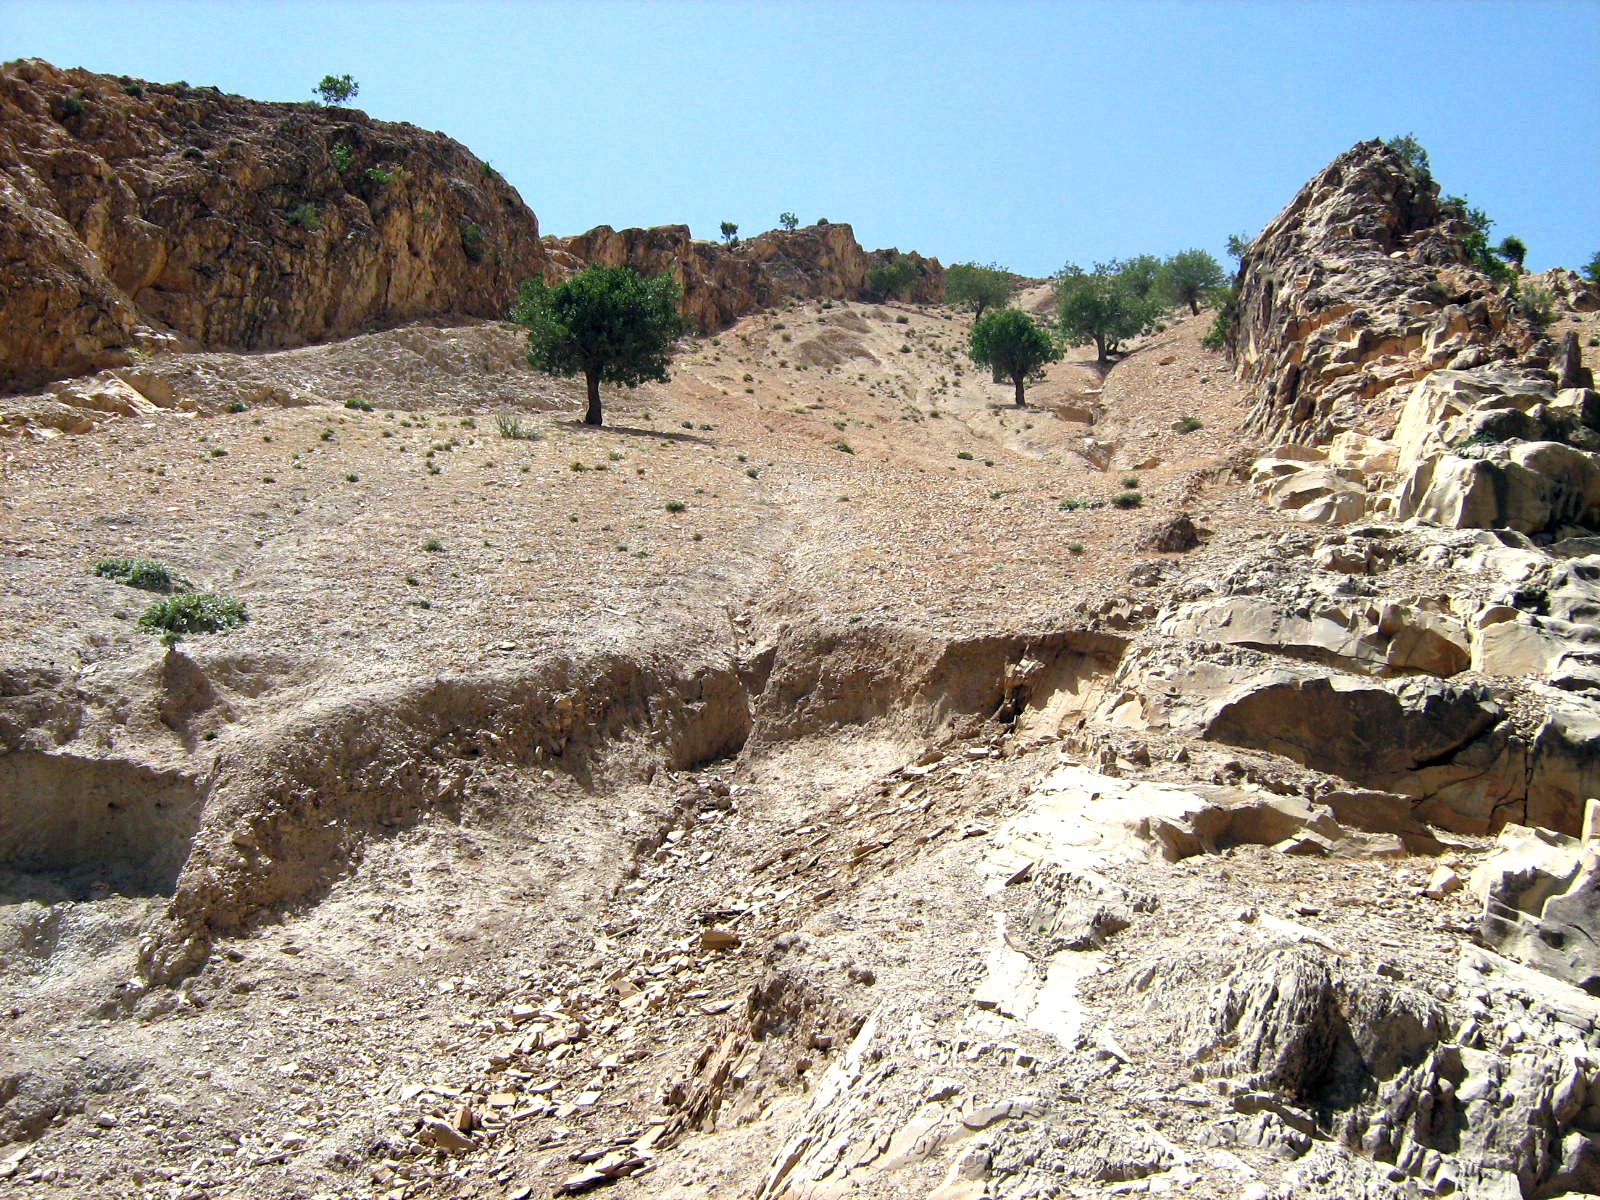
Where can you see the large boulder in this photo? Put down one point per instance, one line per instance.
(1541, 896)
(1532, 487)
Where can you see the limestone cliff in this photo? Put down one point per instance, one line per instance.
(1356, 290)
(723, 283)
(132, 211)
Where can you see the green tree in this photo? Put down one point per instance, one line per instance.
(978, 286)
(1012, 345)
(1513, 249)
(893, 277)
(1100, 306)
(1187, 278)
(789, 221)
(609, 324)
(1141, 274)
(1476, 240)
(1411, 153)
(1238, 246)
(337, 89)
(1592, 268)
(730, 234)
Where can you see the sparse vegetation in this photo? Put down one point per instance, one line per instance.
(192, 612)
(675, 506)
(432, 545)
(380, 176)
(1537, 304)
(1513, 249)
(730, 234)
(146, 574)
(304, 215)
(1127, 500)
(357, 404)
(1187, 424)
(609, 324)
(343, 157)
(789, 221)
(1591, 269)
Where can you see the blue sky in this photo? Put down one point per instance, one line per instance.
(1027, 134)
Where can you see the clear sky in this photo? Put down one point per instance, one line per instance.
(1027, 134)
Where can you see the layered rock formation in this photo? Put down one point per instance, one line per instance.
(722, 283)
(1356, 290)
(134, 213)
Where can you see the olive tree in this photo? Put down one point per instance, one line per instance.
(980, 287)
(1187, 278)
(609, 324)
(789, 221)
(1012, 345)
(1102, 306)
(730, 234)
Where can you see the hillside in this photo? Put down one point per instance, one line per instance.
(812, 783)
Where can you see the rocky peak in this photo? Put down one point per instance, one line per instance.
(1357, 289)
(133, 213)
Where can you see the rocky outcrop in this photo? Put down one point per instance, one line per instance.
(1541, 897)
(723, 283)
(133, 214)
(1359, 288)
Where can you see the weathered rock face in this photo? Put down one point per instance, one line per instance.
(722, 283)
(1358, 288)
(132, 212)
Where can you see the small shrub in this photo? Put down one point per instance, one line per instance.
(72, 105)
(379, 176)
(1130, 481)
(1187, 424)
(343, 157)
(472, 241)
(358, 405)
(510, 426)
(1537, 304)
(304, 216)
(133, 89)
(1076, 504)
(202, 612)
(146, 574)
(1075, 547)
(238, 406)
(964, 455)
(327, 435)
(752, 472)
(1127, 500)
(433, 545)
(675, 506)
(843, 447)
(352, 477)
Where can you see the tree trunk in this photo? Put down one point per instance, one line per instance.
(1100, 349)
(1017, 382)
(592, 379)
(1194, 305)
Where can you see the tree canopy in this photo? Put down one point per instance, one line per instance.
(1103, 306)
(979, 287)
(893, 277)
(1187, 278)
(337, 89)
(1513, 249)
(609, 324)
(788, 220)
(730, 233)
(1012, 345)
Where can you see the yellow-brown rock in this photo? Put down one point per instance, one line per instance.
(132, 210)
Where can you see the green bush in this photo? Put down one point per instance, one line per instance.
(305, 216)
(337, 89)
(472, 242)
(133, 89)
(675, 506)
(72, 105)
(358, 404)
(892, 279)
(343, 157)
(1127, 500)
(202, 612)
(1537, 304)
(379, 176)
(143, 573)
(1187, 424)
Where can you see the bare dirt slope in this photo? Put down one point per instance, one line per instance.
(750, 797)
